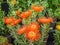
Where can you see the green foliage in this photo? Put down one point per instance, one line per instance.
(54, 5)
(55, 2)
(58, 23)
(3, 39)
(57, 13)
(57, 37)
(3, 28)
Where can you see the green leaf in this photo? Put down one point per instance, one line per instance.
(57, 13)
(55, 2)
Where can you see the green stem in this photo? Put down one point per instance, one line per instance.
(30, 43)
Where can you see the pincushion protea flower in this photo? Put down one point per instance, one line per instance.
(17, 13)
(32, 35)
(30, 31)
(8, 20)
(17, 21)
(11, 21)
(21, 30)
(45, 20)
(33, 26)
(26, 14)
(30, 27)
(37, 8)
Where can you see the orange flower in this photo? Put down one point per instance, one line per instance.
(21, 30)
(33, 26)
(32, 35)
(32, 6)
(37, 8)
(16, 22)
(45, 20)
(4, 20)
(25, 14)
(8, 20)
(17, 13)
(11, 21)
